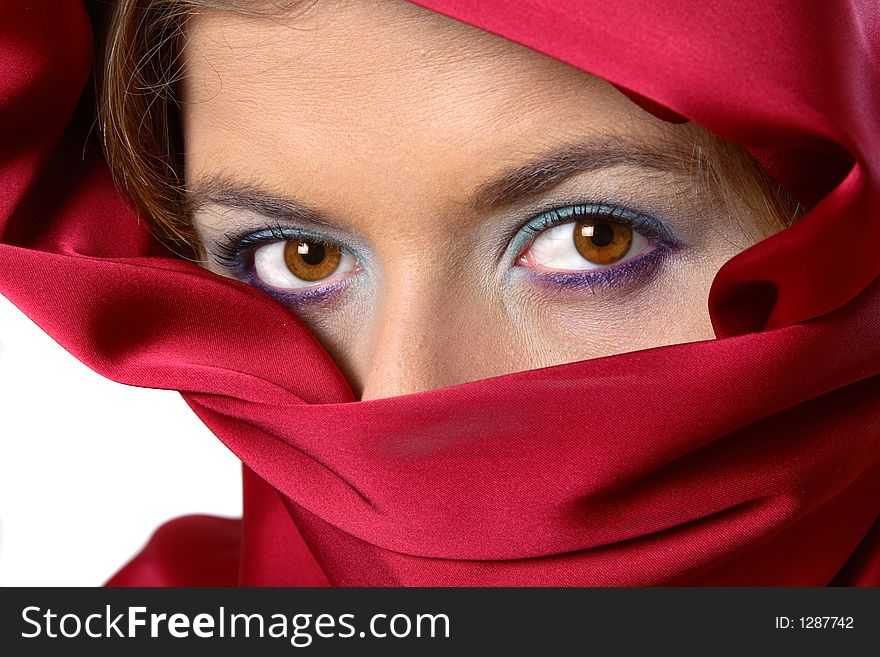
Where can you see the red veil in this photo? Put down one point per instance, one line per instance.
(749, 459)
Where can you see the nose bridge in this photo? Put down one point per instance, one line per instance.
(420, 336)
(411, 349)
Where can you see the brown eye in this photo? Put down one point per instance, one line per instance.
(311, 261)
(602, 242)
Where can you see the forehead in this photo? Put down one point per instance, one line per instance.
(378, 90)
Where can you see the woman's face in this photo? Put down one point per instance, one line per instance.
(440, 205)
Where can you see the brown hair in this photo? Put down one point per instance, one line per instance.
(138, 110)
(140, 122)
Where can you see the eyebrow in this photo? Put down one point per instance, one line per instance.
(536, 176)
(551, 168)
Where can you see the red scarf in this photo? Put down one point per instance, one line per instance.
(749, 459)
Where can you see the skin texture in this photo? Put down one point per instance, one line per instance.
(385, 118)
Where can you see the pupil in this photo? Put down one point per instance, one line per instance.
(602, 235)
(314, 255)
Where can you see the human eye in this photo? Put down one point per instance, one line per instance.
(289, 263)
(585, 246)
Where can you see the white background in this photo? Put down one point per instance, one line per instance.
(88, 467)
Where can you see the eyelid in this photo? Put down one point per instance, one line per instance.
(235, 253)
(646, 224)
(627, 275)
(234, 250)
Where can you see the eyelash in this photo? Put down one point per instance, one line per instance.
(633, 271)
(235, 252)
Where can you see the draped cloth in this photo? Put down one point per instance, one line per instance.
(749, 459)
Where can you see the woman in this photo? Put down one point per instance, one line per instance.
(568, 418)
(423, 214)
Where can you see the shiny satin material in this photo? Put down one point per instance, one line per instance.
(750, 459)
